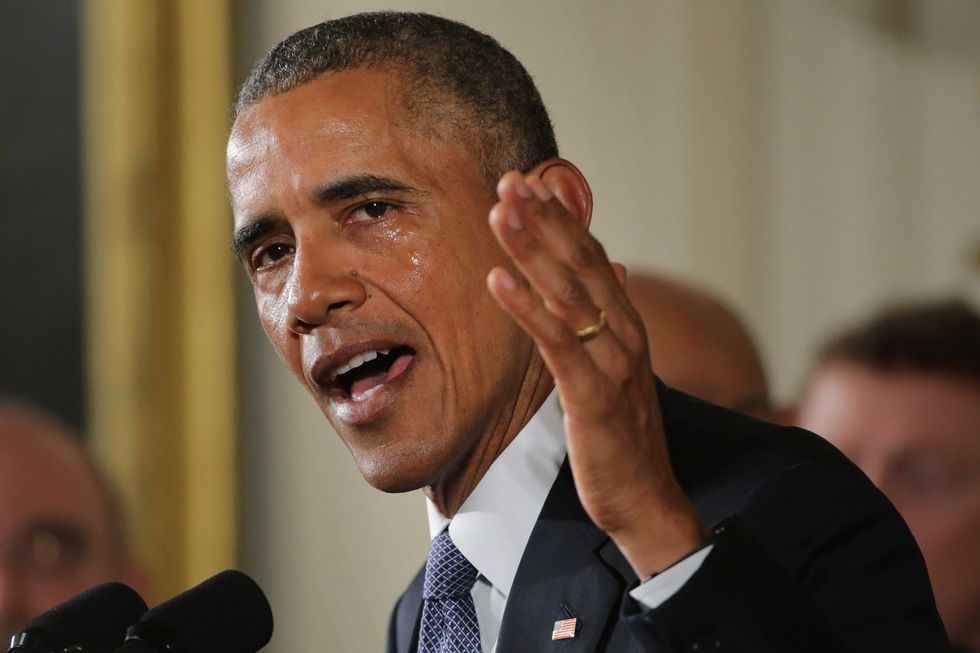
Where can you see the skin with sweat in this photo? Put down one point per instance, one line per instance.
(361, 231)
(398, 267)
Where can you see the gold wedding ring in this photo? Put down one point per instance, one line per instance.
(591, 331)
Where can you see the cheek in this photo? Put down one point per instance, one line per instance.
(393, 259)
(274, 316)
(426, 272)
(945, 526)
(415, 270)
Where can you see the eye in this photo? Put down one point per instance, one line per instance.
(370, 211)
(50, 549)
(267, 256)
(923, 479)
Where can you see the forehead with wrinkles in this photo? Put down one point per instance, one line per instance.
(306, 115)
(400, 111)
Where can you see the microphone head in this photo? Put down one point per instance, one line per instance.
(95, 619)
(228, 613)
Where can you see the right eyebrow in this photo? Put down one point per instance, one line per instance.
(249, 233)
(357, 185)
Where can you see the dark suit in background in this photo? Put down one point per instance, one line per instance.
(808, 556)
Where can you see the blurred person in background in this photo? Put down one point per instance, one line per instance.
(699, 345)
(900, 395)
(61, 530)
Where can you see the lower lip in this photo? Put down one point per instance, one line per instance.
(356, 413)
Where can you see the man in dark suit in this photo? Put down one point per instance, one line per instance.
(570, 493)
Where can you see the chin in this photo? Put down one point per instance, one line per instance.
(396, 472)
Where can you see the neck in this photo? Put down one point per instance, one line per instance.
(449, 494)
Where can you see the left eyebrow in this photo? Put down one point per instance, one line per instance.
(358, 185)
(249, 233)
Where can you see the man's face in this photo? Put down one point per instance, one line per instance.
(364, 238)
(55, 530)
(917, 436)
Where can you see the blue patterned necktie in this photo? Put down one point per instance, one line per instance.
(448, 615)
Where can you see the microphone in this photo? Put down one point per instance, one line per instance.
(228, 613)
(96, 619)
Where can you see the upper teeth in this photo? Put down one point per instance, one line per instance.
(356, 361)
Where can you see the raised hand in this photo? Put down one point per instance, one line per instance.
(571, 300)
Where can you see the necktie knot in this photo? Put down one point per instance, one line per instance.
(448, 574)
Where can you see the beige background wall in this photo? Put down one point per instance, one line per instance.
(807, 159)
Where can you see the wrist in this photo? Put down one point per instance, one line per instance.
(660, 536)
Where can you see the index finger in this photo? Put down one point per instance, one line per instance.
(554, 244)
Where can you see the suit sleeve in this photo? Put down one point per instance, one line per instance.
(833, 569)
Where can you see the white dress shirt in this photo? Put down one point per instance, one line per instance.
(494, 524)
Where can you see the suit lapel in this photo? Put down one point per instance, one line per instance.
(567, 561)
(408, 615)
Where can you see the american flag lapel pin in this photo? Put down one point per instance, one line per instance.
(565, 628)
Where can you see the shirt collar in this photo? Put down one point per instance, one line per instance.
(495, 522)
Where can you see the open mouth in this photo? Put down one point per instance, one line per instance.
(367, 372)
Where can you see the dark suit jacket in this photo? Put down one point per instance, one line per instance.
(808, 556)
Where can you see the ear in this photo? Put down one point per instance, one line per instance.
(569, 185)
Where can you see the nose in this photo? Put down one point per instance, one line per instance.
(319, 289)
